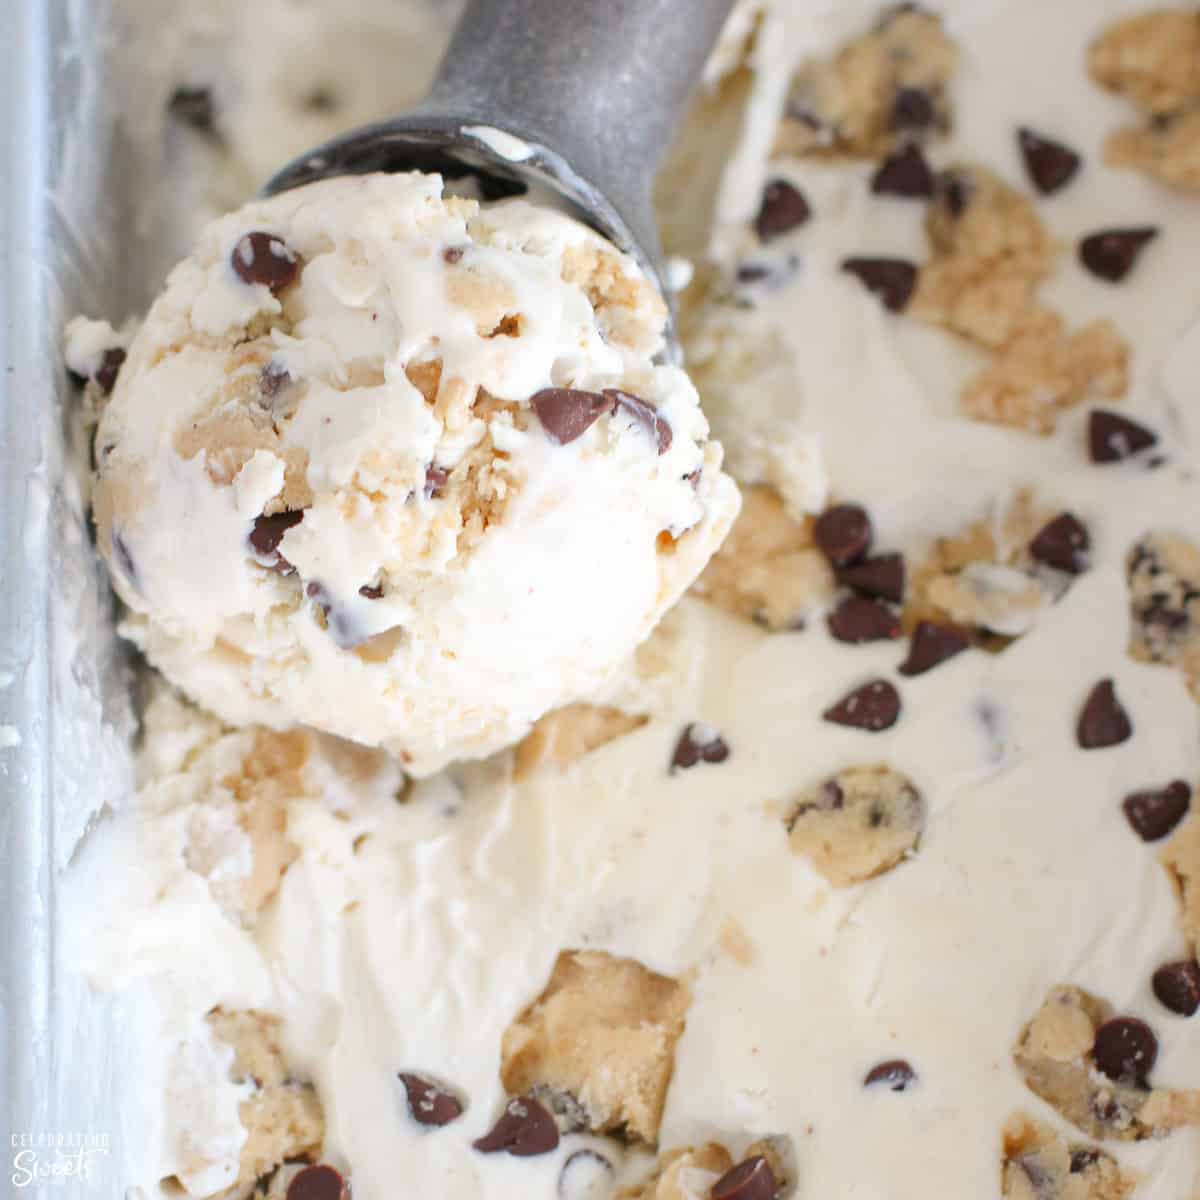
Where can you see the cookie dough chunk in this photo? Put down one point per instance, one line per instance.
(282, 1115)
(1164, 594)
(564, 736)
(984, 578)
(885, 87)
(1181, 857)
(1055, 1055)
(1040, 1164)
(690, 1173)
(858, 824)
(1153, 61)
(769, 570)
(352, 443)
(598, 1045)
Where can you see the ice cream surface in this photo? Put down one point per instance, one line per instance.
(876, 874)
(400, 467)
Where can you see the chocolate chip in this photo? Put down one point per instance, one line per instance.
(105, 374)
(843, 533)
(429, 1104)
(524, 1130)
(1063, 543)
(1102, 720)
(1177, 986)
(194, 107)
(568, 413)
(873, 707)
(891, 279)
(1050, 164)
(1112, 437)
(912, 109)
(1111, 253)
(1082, 1159)
(370, 592)
(267, 532)
(435, 481)
(265, 258)
(1125, 1050)
(585, 1175)
(751, 1179)
(645, 414)
(318, 1182)
(881, 576)
(932, 644)
(954, 190)
(895, 1072)
(698, 743)
(783, 209)
(904, 173)
(453, 254)
(273, 379)
(1153, 813)
(856, 619)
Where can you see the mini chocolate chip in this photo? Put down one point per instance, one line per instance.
(453, 254)
(751, 1179)
(896, 1073)
(857, 619)
(1082, 1159)
(783, 209)
(267, 532)
(193, 106)
(698, 743)
(435, 481)
(106, 373)
(568, 413)
(904, 173)
(1111, 253)
(932, 644)
(843, 533)
(370, 592)
(1062, 543)
(584, 1176)
(429, 1104)
(1112, 437)
(873, 707)
(1177, 986)
(891, 279)
(1050, 164)
(1125, 1050)
(265, 258)
(1153, 813)
(954, 190)
(881, 576)
(525, 1129)
(1102, 720)
(318, 1182)
(645, 414)
(273, 379)
(912, 109)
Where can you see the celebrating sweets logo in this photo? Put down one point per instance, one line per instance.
(52, 1159)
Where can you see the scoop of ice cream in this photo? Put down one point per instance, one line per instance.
(402, 467)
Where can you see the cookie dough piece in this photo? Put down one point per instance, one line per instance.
(1055, 1057)
(858, 824)
(887, 86)
(1153, 61)
(1040, 1164)
(564, 736)
(689, 1173)
(1164, 594)
(354, 439)
(769, 570)
(598, 1045)
(282, 1115)
(1181, 857)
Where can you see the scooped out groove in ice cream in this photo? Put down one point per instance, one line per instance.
(402, 467)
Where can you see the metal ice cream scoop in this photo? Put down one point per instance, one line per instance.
(578, 96)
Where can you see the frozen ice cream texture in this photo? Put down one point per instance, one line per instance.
(401, 467)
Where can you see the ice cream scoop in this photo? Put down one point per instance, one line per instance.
(579, 98)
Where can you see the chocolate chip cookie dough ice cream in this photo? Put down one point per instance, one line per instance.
(400, 467)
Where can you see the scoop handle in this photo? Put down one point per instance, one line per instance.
(602, 82)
